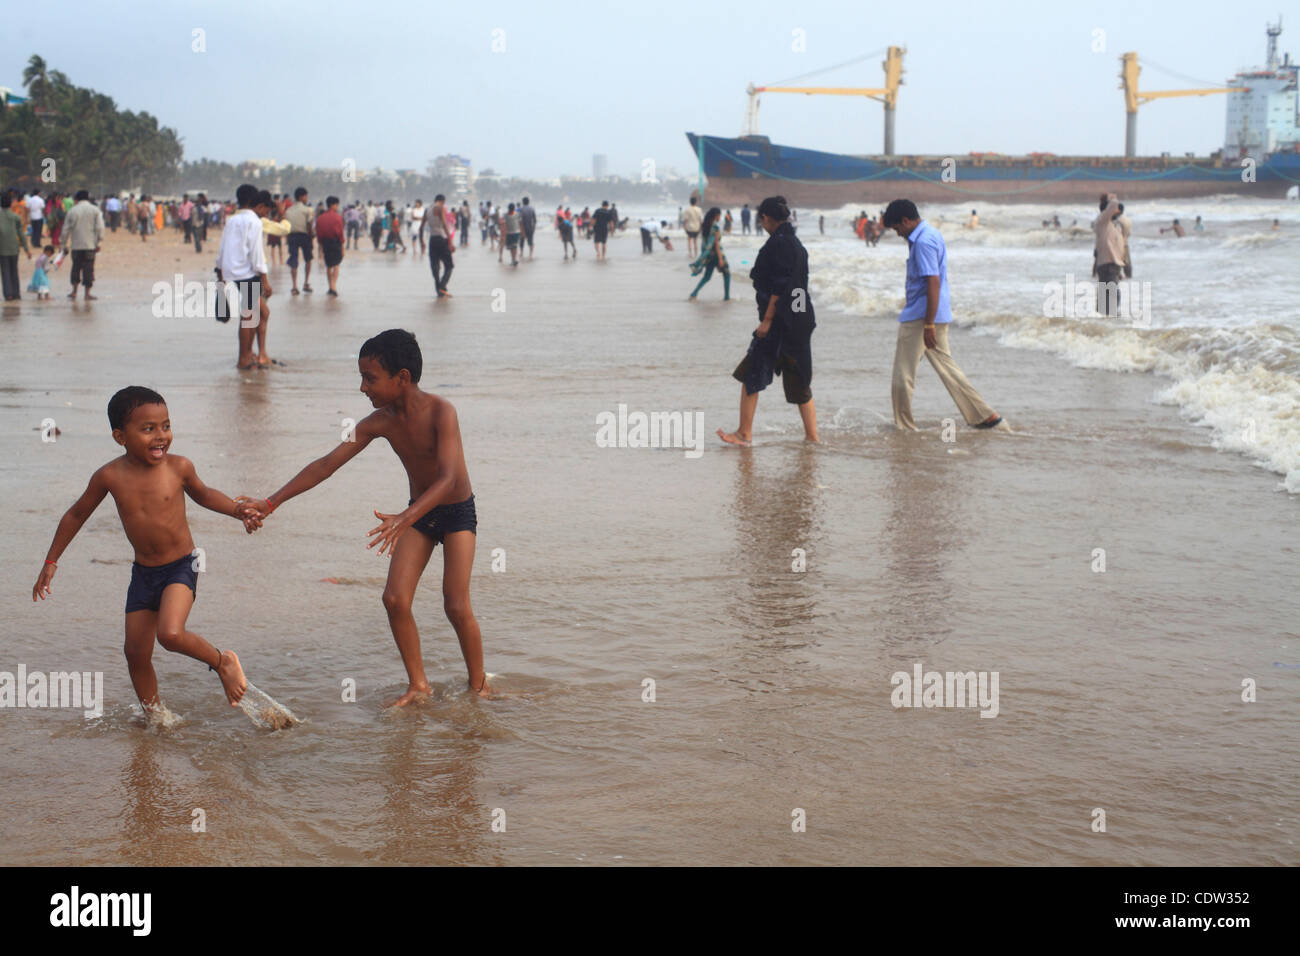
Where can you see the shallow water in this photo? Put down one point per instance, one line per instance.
(1118, 690)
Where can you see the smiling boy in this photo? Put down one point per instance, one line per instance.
(149, 486)
(424, 432)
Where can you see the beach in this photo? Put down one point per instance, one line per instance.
(1119, 689)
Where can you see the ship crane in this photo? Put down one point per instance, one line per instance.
(1129, 71)
(888, 94)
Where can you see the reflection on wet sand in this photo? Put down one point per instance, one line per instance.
(431, 814)
(776, 511)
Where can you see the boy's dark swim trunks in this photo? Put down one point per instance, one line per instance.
(148, 584)
(445, 519)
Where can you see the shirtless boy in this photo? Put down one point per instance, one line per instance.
(424, 432)
(147, 484)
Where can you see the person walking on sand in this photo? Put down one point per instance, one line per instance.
(36, 216)
(12, 238)
(329, 235)
(415, 224)
(528, 225)
(300, 216)
(201, 215)
(113, 212)
(512, 230)
(376, 214)
(692, 218)
(394, 224)
(923, 323)
(712, 258)
(564, 227)
(744, 220)
(601, 223)
(440, 246)
(351, 226)
(186, 212)
(83, 231)
(782, 343)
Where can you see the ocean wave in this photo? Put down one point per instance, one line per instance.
(958, 234)
(1244, 384)
(1251, 239)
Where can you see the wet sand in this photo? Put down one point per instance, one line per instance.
(1118, 690)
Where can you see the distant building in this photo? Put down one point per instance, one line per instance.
(599, 166)
(456, 168)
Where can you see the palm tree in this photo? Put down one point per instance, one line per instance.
(37, 80)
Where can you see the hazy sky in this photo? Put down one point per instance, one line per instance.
(396, 83)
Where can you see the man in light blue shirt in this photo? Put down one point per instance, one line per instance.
(923, 323)
(113, 207)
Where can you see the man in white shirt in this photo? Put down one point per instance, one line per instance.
(649, 229)
(415, 216)
(36, 216)
(113, 209)
(241, 263)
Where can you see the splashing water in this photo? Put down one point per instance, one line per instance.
(265, 711)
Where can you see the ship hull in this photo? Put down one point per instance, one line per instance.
(746, 170)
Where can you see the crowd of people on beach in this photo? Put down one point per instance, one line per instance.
(257, 230)
(76, 226)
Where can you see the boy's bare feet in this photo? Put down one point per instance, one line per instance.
(484, 689)
(232, 677)
(413, 692)
(731, 438)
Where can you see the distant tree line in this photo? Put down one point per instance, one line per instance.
(69, 137)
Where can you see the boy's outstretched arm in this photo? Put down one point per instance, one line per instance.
(214, 500)
(449, 457)
(320, 469)
(69, 525)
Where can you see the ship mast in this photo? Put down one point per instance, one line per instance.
(1129, 71)
(888, 94)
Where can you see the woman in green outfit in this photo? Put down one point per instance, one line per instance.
(711, 256)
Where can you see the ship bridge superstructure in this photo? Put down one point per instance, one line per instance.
(1264, 110)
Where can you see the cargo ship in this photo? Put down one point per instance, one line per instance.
(1260, 157)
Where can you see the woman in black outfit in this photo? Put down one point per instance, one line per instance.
(782, 343)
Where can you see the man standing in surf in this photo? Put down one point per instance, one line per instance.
(424, 432)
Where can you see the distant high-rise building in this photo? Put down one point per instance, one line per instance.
(455, 168)
(599, 166)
